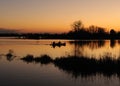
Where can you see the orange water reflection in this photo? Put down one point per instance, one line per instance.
(30, 74)
(96, 49)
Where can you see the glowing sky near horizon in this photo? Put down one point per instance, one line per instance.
(58, 15)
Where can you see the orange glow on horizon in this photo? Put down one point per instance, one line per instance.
(57, 16)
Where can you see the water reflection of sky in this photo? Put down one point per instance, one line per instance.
(19, 73)
(89, 48)
(34, 47)
(98, 49)
(105, 50)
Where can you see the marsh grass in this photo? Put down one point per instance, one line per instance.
(80, 65)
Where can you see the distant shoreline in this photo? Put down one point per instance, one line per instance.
(16, 37)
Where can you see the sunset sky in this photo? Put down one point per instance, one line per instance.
(57, 15)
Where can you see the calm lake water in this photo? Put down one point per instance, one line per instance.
(15, 72)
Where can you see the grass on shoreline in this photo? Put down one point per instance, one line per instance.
(80, 65)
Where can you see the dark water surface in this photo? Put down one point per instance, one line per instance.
(15, 72)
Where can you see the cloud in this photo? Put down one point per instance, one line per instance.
(4, 30)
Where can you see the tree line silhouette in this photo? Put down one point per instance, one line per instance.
(78, 32)
(92, 32)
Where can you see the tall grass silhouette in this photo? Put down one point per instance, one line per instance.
(80, 65)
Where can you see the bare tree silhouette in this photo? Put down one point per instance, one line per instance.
(77, 26)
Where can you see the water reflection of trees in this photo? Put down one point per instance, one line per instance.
(80, 45)
(90, 43)
(80, 66)
(112, 43)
